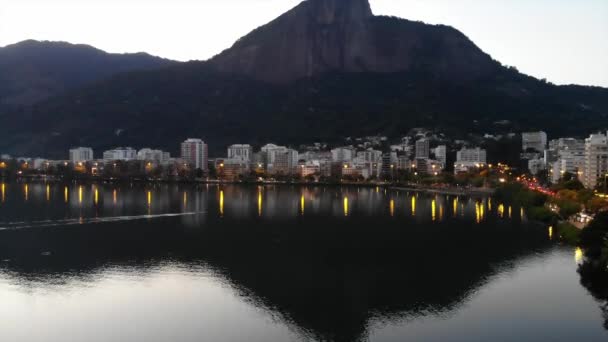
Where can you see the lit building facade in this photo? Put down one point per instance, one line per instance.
(241, 152)
(120, 153)
(195, 153)
(596, 160)
(81, 154)
(423, 149)
(469, 158)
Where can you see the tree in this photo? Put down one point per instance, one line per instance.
(596, 204)
(593, 237)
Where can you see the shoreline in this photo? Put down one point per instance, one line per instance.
(389, 186)
(448, 191)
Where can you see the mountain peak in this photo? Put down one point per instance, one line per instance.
(320, 36)
(336, 11)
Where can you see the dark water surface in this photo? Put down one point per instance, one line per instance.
(246, 263)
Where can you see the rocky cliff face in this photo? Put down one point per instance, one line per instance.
(320, 36)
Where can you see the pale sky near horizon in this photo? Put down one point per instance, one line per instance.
(565, 41)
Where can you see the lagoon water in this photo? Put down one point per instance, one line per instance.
(281, 263)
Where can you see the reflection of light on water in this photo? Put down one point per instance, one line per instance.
(510, 212)
(478, 212)
(455, 204)
(260, 202)
(434, 209)
(48, 193)
(345, 206)
(550, 233)
(185, 198)
(3, 192)
(578, 255)
(377, 189)
(521, 213)
(80, 194)
(302, 204)
(149, 198)
(66, 195)
(413, 205)
(501, 210)
(222, 202)
(440, 212)
(96, 196)
(392, 207)
(27, 192)
(490, 204)
(115, 196)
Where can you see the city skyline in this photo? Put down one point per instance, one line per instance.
(509, 33)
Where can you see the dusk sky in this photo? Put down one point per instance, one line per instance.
(564, 41)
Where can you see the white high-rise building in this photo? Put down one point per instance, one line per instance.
(473, 155)
(370, 156)
(195, 153)
(81, 154)
(285, 162)
(423, 149)
(270, 152)
(342, 154)
(120, 153)
(596, 160)
(148, 154)
(534, 140)
(469, 158)
(240, 152)
(569, 156)
(441, 153)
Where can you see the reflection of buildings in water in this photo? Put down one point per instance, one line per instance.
(383, 291)
(194, 202)
(244, 202)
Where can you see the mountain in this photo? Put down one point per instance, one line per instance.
(323, 71)
(320, 36)
(31, 71)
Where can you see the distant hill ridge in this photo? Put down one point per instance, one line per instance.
(31, 71)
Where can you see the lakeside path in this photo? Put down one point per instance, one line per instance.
(449, 191)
